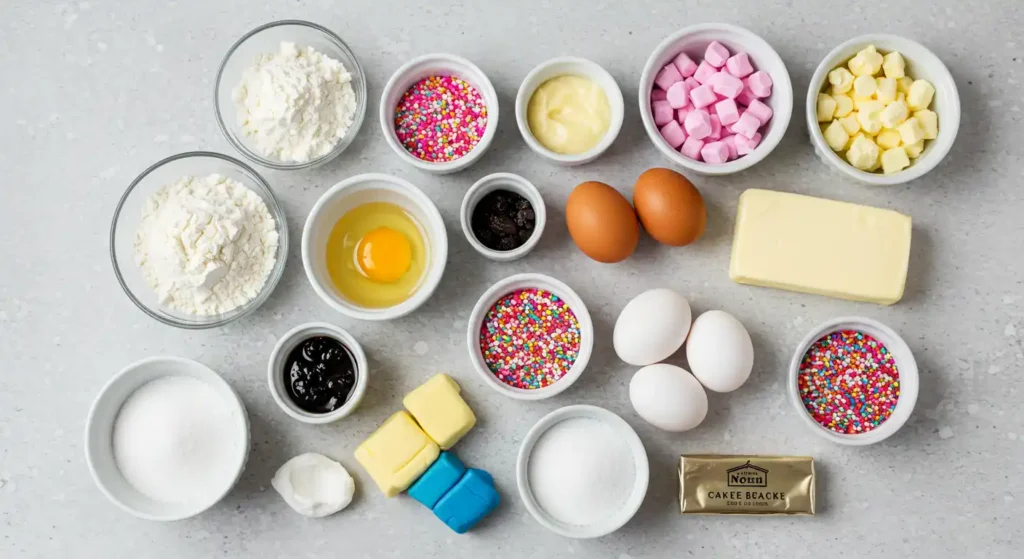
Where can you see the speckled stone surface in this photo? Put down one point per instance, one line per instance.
(94, 91)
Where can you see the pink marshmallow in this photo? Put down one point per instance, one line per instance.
(678, 95)
(662, 112)
(761, 111)
(727, 85)
(668, 76)
(673, 134)
(698, 124)
(703, 96)
(745, 96)
(704, 72)
(760, 83)
(715, 152)
(730, 142)
(716, 128)
(691, 148)
(685, 65)
(716, 55)
(658, 94)
(745, 145)
(692, 83)
(681, 113)
(727, 111)
(747, 125)
(739, 65)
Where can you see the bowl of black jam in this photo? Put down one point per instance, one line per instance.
(503, 216)
(317, 373)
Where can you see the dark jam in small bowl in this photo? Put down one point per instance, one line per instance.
(503, 220)
(320, 374)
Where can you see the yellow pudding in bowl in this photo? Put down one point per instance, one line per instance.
(376, 255)
(569, 114)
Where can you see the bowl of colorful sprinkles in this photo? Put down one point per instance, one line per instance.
(439, 113)
(530, 336)
(854, 381)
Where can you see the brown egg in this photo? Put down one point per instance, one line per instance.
(601, 222)
(670, 208)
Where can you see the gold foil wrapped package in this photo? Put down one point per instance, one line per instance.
(737, 484)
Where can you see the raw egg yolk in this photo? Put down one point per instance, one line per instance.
(384, 255)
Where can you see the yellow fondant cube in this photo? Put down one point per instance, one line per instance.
(440, 410)
(397, 453)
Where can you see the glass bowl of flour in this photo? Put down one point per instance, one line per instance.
(290, 95)
(198, 240)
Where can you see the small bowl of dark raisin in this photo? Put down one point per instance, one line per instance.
(503, 216)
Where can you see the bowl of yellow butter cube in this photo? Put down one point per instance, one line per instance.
(882, 109)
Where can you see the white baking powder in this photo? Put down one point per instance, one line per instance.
(581, 471)
(296, 104)
(206, 244)
(174, 441)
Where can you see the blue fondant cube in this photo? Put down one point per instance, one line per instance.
(472, 498)
(439, 478)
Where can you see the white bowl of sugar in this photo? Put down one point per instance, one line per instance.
(166, 439)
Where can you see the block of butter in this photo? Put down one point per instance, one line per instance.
(819, 246)
(440, 410)
(397, 453)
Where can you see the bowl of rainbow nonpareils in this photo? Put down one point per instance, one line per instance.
(530, 336)
(853, 381)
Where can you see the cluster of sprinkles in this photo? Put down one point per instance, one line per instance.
(530, 338)
(848, 382)
(440, 118)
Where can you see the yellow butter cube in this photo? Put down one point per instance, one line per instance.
(440, 410)
(844, 105)
(920, 95)
(397, 453)
(903, 84)
(863, 153)
(929, 122)
(850, 124)
(826, 107)
(894, 114)
(914, 150)
(893, 65)
(911, 131)
(888, 138)
(864, 86)
(872, 57)
(841, 80)
(894, 160)
(878, 162)
(870, 118)
(836, 136)
(885, 90)
(858, 101)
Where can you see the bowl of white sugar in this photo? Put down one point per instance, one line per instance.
(290, 95)
(166, 439)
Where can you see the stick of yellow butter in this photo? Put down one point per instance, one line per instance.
(819, 246)
(397, 453)
(439, 409)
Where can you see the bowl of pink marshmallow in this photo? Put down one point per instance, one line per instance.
(715, 98)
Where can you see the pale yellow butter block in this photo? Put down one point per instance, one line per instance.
(397, 453)
(836, 136)
(844, 105)
(825, 107)
(440, 410)
(888, 138)
(813, 245)
(929, 122)
(893, 65)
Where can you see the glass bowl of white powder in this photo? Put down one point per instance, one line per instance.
(290, 95)
(198, 240)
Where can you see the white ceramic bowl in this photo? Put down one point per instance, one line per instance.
(99, 428)
(356, 191)
(632, 504)
(285, 345)
(569, 65)
(921, 64)
(527, 281)
(437, 65)
(694, 40)
(905, 365)
(510, 182)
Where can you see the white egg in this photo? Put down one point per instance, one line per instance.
(651, 327)
(719, 351)
(668, 397)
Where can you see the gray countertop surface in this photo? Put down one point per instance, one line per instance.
(95, 91)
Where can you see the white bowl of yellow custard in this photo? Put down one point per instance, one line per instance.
(569, 110)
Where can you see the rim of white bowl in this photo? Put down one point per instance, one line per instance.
(438, 248)
(906, 365)
(782, 86)
(575, 66)
(439, 64)
(526, 281)
(949, 116)
(636, 497)
(506, 181)
(284, 346)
